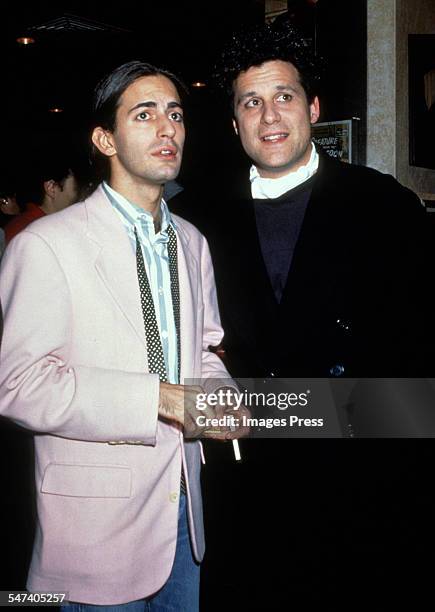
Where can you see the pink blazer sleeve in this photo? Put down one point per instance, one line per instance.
(40, 388)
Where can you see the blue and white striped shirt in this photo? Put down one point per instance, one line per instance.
(155, 253)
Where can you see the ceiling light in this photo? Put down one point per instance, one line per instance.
(25, 40)
(56, 110)
(199, 84)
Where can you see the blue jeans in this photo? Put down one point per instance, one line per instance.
(181, 591)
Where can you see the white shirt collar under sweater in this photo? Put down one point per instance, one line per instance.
(267, 188)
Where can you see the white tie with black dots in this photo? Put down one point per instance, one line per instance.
(156, 360)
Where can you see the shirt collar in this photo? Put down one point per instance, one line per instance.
(267, 188)
(135, 214)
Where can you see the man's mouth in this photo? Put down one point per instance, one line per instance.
(277, 137)
(166, 151)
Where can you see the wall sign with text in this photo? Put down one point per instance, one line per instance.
(335, 138)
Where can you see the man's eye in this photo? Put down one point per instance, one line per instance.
(285, 97)
(143, 116)
(176, 117)
(252, 103)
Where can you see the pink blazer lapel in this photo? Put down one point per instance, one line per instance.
(115, 260)
(190, 300)
(115, 264)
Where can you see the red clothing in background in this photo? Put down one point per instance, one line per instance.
(22, 220)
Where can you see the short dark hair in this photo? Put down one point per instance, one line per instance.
(109, 90)
(48, 166)
(268, 42)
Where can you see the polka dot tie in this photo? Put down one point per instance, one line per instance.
(156, 360)
(175, 288)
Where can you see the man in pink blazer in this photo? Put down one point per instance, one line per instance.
(77, 364)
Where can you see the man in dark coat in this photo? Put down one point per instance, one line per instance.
(320, 269)
(320, 263)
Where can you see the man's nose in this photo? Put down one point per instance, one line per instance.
(270, 113)
(166, 127)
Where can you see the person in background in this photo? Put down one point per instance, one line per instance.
(47, 187)
(8, 206)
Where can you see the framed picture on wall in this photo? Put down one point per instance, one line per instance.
(337, 138)
(421, 56)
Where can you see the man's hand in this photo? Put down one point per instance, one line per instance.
(223, 421)
(236, 415)
(179, 404)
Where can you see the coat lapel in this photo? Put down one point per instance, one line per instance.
(322, 252)
(115, 264)
(115, 260)
(188, 270)
(320, 257)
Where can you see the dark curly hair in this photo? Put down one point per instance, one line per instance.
(275, 41)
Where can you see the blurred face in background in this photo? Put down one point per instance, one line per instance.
(59, 194)
(67, 192)
(8, 205)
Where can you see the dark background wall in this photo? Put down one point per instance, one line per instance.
(62, 67)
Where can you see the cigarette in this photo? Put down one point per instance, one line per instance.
(236, 449)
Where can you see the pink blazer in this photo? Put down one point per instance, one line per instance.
(73, 369)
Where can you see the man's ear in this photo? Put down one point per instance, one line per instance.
(102, 139)
(50, 187)
(235, 127)
(314, 110)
